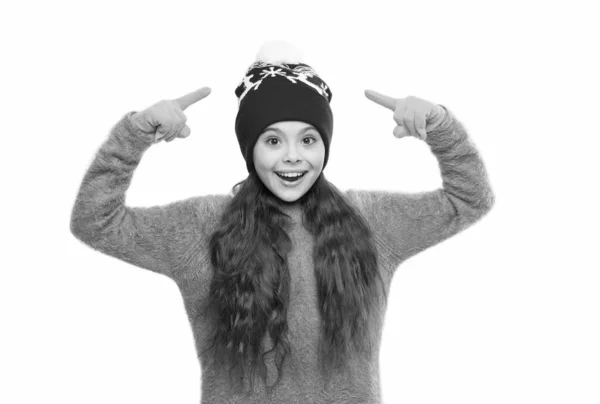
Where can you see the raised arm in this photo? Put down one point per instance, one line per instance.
(158, 238)
(408, 223)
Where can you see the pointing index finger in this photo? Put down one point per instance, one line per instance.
(383, 100)
(192, 97)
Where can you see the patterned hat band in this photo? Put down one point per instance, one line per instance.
(281, 91)
(299, 73)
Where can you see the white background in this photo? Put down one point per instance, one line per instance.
(505, 312)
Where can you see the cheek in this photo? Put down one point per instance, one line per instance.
(319, 156)
(261, 159)
(263, 153)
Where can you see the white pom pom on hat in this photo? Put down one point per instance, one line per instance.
(278, 51)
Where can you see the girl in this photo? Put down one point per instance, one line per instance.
(285, 279)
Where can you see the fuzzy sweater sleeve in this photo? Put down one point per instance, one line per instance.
(162, 239)
(405, 224)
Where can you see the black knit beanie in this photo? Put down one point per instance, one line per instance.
(278, 86)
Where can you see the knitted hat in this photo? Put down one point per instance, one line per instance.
(278, 86)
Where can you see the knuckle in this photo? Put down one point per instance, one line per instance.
(182, 117)
(398, 114)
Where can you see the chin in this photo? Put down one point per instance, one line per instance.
(288, 197)
(291, 199)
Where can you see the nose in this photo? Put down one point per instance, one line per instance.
(292, 154)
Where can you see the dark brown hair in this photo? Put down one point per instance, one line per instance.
(249, 290)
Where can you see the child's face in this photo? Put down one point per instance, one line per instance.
(289, 146)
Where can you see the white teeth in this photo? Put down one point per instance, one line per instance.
(291, 175)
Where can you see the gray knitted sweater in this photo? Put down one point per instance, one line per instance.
(172, 240)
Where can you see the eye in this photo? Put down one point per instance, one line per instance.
(269, 140)
(310, 137)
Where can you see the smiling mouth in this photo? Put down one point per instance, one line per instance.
(291, 178)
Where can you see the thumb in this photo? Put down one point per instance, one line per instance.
(400, 131)
(185, 132)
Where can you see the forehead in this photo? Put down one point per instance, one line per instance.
(290, 126)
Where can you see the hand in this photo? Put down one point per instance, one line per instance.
(413, 115)
(166, 119)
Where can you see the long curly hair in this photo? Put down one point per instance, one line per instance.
(249, 290)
